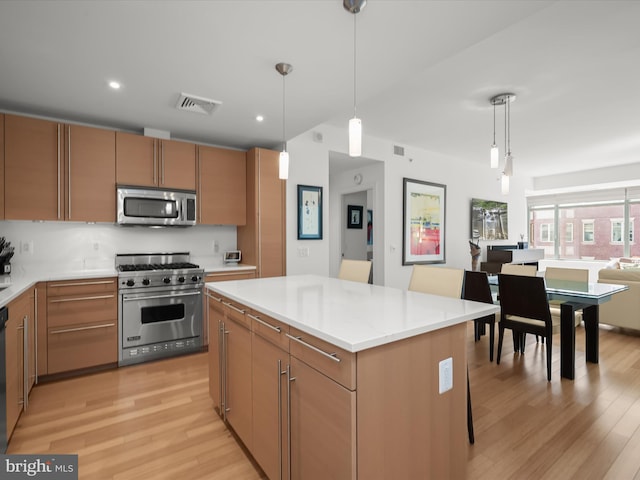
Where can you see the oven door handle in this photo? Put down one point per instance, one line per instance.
(151, 297)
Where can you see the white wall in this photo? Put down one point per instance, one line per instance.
(74, 245)
(464, 181)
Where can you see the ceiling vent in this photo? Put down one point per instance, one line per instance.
(193, 103)
(398, 150)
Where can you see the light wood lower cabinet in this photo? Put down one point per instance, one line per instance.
(19, 357)
(269, 383)
(321, 412)
(82, 324)
(236, 371)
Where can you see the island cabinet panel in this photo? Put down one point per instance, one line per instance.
(402, 377)
(237, 407)
(222, 186)
(323, 426)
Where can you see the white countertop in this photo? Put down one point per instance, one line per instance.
(12, 286)
(353, 316)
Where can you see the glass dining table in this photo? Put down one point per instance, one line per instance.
(576, 296)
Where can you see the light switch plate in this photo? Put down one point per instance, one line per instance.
(446, 375)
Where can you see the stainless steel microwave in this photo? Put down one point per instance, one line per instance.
(155, 207)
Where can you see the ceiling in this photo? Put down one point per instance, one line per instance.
(425, 72)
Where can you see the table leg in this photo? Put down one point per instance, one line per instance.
(567, 341)
(591, 319)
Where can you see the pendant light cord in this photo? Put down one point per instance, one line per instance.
(506, 102)
(354, 66)
(494, 122)
(284, 136)
(508, 125)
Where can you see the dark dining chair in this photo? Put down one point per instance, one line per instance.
(524, 308)
(476, 287)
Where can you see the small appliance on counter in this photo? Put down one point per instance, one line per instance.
(6, 252)
(232, 257)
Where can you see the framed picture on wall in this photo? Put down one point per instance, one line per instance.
(309, 212)
(424, 226)
(354, 216)
(369, 227)
(489, 220)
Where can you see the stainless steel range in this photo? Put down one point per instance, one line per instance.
(159, 306)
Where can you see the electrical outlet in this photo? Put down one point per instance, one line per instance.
(27, 247)
(303, 251)
(96, 246)
(216, 246)
(446, 375)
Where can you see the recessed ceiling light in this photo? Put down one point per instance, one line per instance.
(115, 85)
(259, 118)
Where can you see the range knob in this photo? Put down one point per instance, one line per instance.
(194, 278)
(166, 280)
(181, 279)
(130, 283)
(145, 281)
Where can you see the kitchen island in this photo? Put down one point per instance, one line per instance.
(326, 378)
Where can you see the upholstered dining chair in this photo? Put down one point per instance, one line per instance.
(437, 280)
(518, 269)
(575, 275)
(476, 287)
(355, 270)
(524, 308)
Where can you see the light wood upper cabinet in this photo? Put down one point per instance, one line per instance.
(150, 162)
(262, 239)
(34, 169)
(58, 172)
(222, 186)
(90, 158)
(1, 166)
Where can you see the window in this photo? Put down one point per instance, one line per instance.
(617, 226)
(588, 231)
(568, 233)
(546, 232)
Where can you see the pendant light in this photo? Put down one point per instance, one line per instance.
(355, 124)
(283, 171)
(504, 99)
(495, 155)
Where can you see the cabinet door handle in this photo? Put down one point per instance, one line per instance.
(161, 162)
(80, 299)
(81, 284)
(35, 333)
(262, 322)
(25, 366)
(289, 380)
(155, 174)
(224, 406)
(233, 307)
(81, 329)
(213, 298)
(69, 167)
(59, 174)
(331, 356)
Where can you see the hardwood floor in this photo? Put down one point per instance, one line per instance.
(526, 427)
(152, 421)
(156, 421)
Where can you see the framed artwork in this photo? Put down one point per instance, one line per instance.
(369, 227)
(354, 216)
(309, 212)
(489, 220)
(423, 214)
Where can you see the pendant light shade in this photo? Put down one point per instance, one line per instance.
(355, 124)
(283, 168)
(504, 184)
(355, 137)
(503, 99)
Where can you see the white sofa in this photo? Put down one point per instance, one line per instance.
(623, 310)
